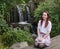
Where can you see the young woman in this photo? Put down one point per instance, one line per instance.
(43, 31)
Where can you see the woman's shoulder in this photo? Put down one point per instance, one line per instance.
(39, 21)
(49, 25)
(49, 22)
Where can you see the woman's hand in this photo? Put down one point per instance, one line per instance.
(39, 38)
(46, 35)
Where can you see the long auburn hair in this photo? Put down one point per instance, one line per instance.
(48, 17)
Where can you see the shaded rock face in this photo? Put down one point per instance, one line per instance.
(19, 45)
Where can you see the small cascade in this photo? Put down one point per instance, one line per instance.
(28, 13)
(20, 13)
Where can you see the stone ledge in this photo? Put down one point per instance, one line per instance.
(19, 45)
(55, 44)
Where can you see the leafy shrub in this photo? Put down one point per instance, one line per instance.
(14, 36)
(53, 8)
(3, 25)
(2, 45)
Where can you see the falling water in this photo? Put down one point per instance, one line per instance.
(20, 13)
(28, 12)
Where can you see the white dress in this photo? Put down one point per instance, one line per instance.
(43, 30)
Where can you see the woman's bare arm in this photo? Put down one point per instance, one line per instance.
(38, 32)
(46, 35)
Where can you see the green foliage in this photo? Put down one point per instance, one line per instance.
(14, 36)
(2, 45)
(54, 9)
(2, 9)
(3, 25)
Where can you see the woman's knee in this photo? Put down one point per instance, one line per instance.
(36, 45)
(41, 45)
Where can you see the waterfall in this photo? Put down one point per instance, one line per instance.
(20, 13)
(28, 13)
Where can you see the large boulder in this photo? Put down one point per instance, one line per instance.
(19, 45)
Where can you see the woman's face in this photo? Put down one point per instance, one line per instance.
(44, 16)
